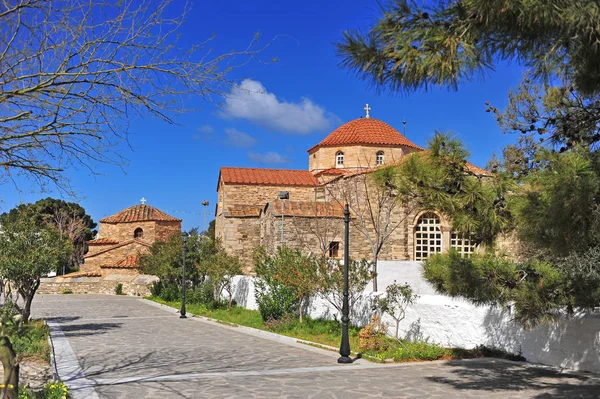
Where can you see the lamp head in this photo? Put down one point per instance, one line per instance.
(205, 202)
(283, 195)
(184, 236)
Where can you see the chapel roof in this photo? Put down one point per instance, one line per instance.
(267, 177)
(139, 213)
(127, 262)
(307, 208)
(103, 241)
(365, 131)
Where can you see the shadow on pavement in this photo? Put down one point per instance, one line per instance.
(85, 329)
(504, 376)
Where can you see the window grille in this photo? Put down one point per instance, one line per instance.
(428, 236)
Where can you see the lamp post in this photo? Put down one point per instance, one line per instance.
(205, 205)
(283, 195)
(345, 345)
(184, 238)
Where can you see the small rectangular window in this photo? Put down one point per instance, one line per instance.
(334, 248)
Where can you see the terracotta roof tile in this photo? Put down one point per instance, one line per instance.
(139, 213)
(308, 209)
(82, 274)
(332, 171)
(128, 262)
(365, 131)
(243, 211)
(268, 177)
(103, 241)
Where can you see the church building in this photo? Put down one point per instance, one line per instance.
(304, 208)
(122, 237)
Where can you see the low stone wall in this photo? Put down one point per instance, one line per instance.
(571, 343)
(138, 285)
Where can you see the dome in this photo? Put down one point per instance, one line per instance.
(139, 213)
(367, 131)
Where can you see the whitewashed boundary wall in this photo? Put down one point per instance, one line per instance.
(572, 343)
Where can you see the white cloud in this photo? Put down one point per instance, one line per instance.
(235, 138)
(206, 133)
(270, 158)
(251, 101)
(205, 129)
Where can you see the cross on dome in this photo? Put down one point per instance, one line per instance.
(143, 200)
(366, 108)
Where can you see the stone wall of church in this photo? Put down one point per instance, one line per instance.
(253, 194)
(124, 231)
(240, 236)
(357, 156)
(165, 229)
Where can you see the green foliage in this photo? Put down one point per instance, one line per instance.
(441, 179)
(32, 341)
(536, 291)
(29, 251)
(165, 259)
(52, 390)
(66, 291)
(220, 269)
(331, 281)
(69, 218)
(415, 45)
(397, 298)
(291, 269)
(119, 289)
(275, 300)
(557, 207)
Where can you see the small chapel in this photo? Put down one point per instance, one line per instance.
(122, 237)
(304, 208)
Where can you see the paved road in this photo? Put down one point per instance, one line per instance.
(124, 347)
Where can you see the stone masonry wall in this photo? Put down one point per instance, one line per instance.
(164, 230)
(357, 156)
(124, 231)
(240, 237)
(132, 285)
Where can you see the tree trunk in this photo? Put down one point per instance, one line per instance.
(375, 274)
(11, 369)
(397, 325)
(300, 309)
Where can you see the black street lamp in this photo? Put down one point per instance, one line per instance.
(184, 238)
(283, 195)
(345, 345)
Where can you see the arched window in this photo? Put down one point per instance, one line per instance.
(428, 236)
(462, 243)
(339, 158)
(138, 233)
(380, 159)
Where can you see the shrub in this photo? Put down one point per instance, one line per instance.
(52, 390)
(372, 337)
(275, 301)
(203, 294)
(419, 351)
(119, 289)
(32, 340)
(66, 291)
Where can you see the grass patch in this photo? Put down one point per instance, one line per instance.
(328, 332)
(32, 343)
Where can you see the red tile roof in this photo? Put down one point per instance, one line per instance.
(365, 131)
(82, 274)
(103, 241)
(241, 211)
(268, 177)
(332, 171)
(122, 244)
(308, 209)
(139, 213)
(128, 262)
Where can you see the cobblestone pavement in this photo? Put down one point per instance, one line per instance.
(123, 347)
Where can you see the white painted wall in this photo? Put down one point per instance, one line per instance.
(572, 343)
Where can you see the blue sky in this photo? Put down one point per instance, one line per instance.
(306, 95)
